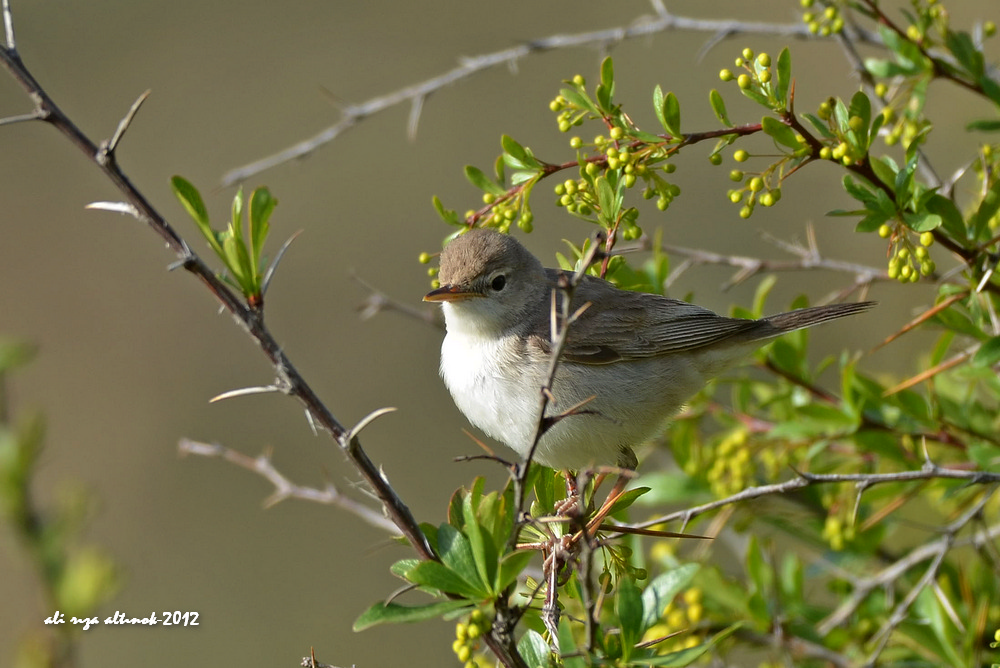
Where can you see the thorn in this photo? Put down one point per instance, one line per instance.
(125, 123)
(262, 389)
(269, 274)
(114, 207)
(415, 108)
(367, 420)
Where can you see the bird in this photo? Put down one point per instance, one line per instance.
(633, 358)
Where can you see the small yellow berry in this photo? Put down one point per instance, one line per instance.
(990, 29)
(881, 89)
(741, 156)
(715, 158)
(693, 595)
(884, 230)
(756, 184)
(736, 175)
(726, 75)
(616, 133)
(764, 60)
(424, 258)
(745, 212)
(743, 81)
(856, 123)
(748, 54)
(825, 153)
(575, 142)
(579, 80)
(927, 238)
(489, 198)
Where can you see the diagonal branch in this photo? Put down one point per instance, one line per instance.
(249, 319)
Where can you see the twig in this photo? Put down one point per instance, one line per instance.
(809, 258)
(938, 549)
(928, 471)
(283, 487)
(561, 320)
(417, 94)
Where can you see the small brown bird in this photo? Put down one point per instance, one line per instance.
(640, 356)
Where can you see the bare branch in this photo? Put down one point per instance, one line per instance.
(284, 488)
(928, 471)
(416, 94)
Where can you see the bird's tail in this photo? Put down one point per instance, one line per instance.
(814, 315)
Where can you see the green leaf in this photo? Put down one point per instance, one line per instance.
(965, 52)
(484, 552)
(983, 126)
(780, 132)
(757, 567)
(511, 566)
(235, 258)
(576, 98)
(477, 178)
(447, 215)
(859, 192)
(861, 107)
(14, 353)
(403, 566)
(670, 487)
(671, 115)
(784, 74)
(236, 215)
(606, 90)
(190, 198)
(686, 657)
(987, 209)
(626, 499)
(457, 553)
(516, 156)
(871, 222)
(628, 606)
(820, 126)
(437, 576)
(393, 613)
(534, 650)
(662, 589)
(719, 107)
(922, 222)
(608, 72)
(951, 217)
(988, 353)
(756, 96)
(605, 197)
(262, 205)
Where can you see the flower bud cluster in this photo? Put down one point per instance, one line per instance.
(467, 635)
(684, 612)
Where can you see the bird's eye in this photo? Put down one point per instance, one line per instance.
(498, 282)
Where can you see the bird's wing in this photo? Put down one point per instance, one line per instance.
(622, 325)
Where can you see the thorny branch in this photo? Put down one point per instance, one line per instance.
(416, 95)
(249, 319)
(285, 488)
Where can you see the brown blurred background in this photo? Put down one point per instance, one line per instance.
(130, 354)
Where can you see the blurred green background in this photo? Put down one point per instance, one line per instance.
(130, 354)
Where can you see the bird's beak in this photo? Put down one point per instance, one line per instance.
(451, 293)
